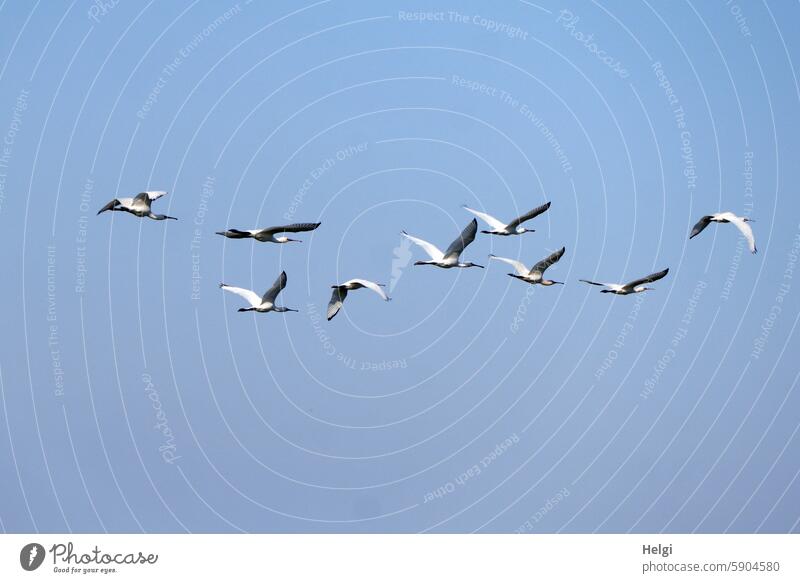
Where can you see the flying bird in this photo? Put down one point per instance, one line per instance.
(728, 217)
(449, 258)
(536, 273)
(634, 287)
(512, 228)
(340, 293)
(139, 205)
(265, 303)
(268, 234)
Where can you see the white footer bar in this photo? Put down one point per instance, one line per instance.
(401, 558)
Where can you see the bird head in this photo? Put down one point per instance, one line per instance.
(521, 230)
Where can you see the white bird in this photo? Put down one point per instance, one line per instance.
(512, 228)
(265, 303)
(139, 205)
(634, 287)
(450, 257)
(340, 293)
(536, 273)
(268, 234)
(728, 217)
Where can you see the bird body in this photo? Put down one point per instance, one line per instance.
(451, 257)
(138, 205)
(534, 275)
(514, 227)
(269, 234)
(634, 287)
(262, 304)
(728, 217)
(340, 293)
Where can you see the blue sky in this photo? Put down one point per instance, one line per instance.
(136, 398)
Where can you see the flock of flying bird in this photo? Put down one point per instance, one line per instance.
(140, 206)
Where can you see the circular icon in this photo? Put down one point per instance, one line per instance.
(31, 556)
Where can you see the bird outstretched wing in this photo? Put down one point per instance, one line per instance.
(272, 293)
(701, 224)
(648, 279)
(252, 297)
(293, 228)
(376, 287)
(488, 219)
(337, 298)
(110, 206)
(747, 231)
(432, 250)
(596, 283)
(466, 237)
(518, 266)
(548, 261)
(528, 216)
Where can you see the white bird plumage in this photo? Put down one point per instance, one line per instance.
(265, 303)
(634, 287)
(340, 293)
(268, 234)
(728, 217)
(534, 275)
(450, 257)
(498, 227)
(138, 205)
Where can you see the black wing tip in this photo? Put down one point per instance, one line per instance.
(223, 284)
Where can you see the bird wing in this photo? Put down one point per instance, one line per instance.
(293, 228)
(236, 234)
(338, 296)
(252, 297)
(466, 237)
(431, 249)
(747, 231)
(647, 279)
(596, 283)
(519, 267)
(376, 287)
(528, 216)
(111, 205)
(149, 196)
(701, 224)
(548, 261)
(272, 293)
(488, 219)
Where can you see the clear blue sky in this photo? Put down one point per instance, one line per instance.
(136, 398)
